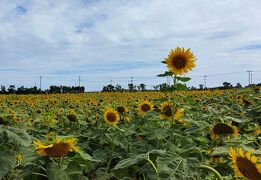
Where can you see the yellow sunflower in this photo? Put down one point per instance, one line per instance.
(178, 114)
(180, 61)
(223, 129)
(204, 108)
(58, 148)
(111, 116)
(245, 165)
(121, 110)
(258, 130)
(72, 117)
(145, 107)
(216, 159)
(166, 110)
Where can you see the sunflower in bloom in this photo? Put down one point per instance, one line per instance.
(204, 108)
(123, 112)
(111, 116)
(245, 165)
(178, 113)
(58, 148)
(166, 110)
(216, 159)
(145, 107)
(223, 129)
(180, 61)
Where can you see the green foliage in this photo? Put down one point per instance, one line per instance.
(167, 73)
(15, 136)
(7, 162)
(145, 147)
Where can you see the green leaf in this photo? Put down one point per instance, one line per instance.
(7, 162)
(183, 79)
(234, 119)
(164, 62)
(74, 168)
(129, 161)
(181, 87)
(85, 156)
(16, 136)
(135, 160)
(78, 177)
(54, 172)
(221, 150)
(167, 73)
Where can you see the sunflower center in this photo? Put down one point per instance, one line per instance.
(167, 111)
(222, 128)
(72, 117)
(57, 150)
(111, 117)
(247, 168)
(179, 62)
(120, 109)
(145, 107)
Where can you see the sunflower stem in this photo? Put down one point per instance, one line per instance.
(60, 161)
(173, 100)
(212, 170)
(152, 164)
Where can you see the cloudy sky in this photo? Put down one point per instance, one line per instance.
(104, 40)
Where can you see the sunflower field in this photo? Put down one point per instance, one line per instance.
(207, 134)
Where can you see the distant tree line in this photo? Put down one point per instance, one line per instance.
(118, 88)
(108, 88)
(166, 87)
(34, 90)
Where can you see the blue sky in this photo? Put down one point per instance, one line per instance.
(103, 40)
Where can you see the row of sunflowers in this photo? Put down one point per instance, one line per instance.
(207, 134)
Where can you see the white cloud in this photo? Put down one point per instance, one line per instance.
(46, 37)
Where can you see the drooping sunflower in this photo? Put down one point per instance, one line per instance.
(111, 116)
(223, 129)
(166, 110)
(58, 148)
(145, 107)
(180, 61)
(245, 165)
(72, 117)
(123, 112)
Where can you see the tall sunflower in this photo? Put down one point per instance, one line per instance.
(145, 107)
(59, 147)
(223, 129)
(111, 116)
(180, 61)
(245, 165)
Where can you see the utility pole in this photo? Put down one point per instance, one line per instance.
(40, 83)
(249, 77)
(168, 80)
(205, 81)
(79, 84)
(131, 80)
